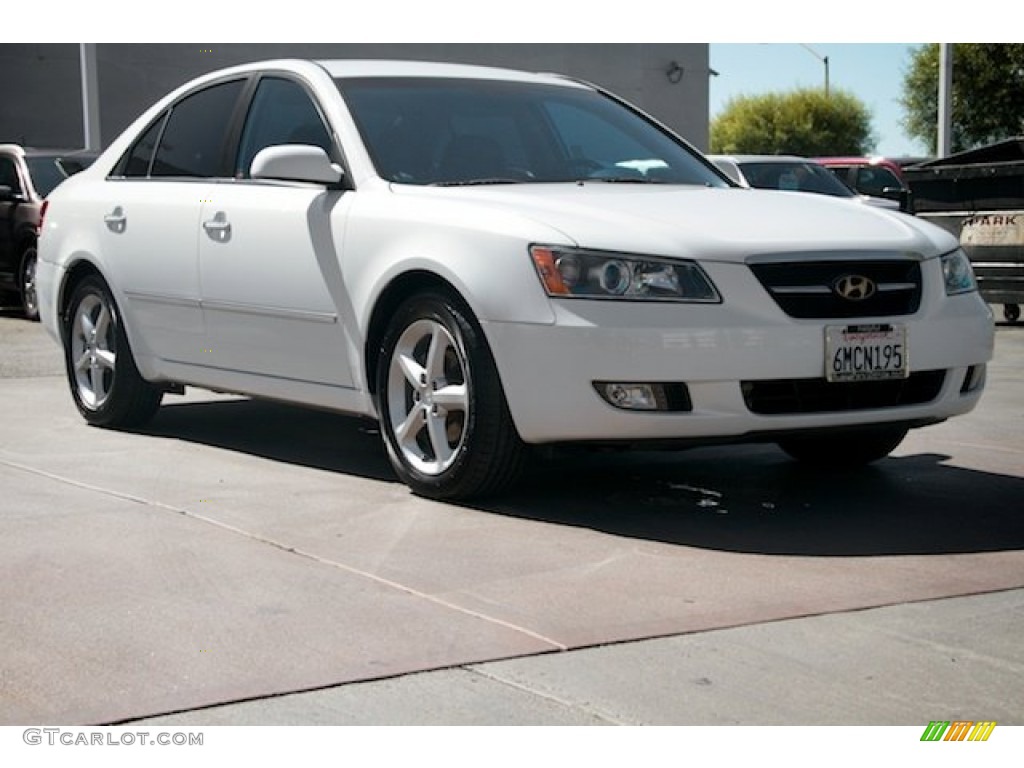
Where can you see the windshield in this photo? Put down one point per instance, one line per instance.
(795, 176)
(49, 171)
(447, 131)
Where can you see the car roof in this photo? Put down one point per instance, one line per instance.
(18, 149)
(874, 160)
(345, 68)
(762, 158)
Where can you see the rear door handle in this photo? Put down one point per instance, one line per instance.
(116, 221)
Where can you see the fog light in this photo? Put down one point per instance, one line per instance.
(632, 397)
(673, 396)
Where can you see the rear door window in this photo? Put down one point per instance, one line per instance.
(136, 163)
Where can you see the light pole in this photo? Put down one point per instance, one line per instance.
(90, 96)
(822, 59)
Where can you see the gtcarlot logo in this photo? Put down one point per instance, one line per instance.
(110, 738)
(958, 730)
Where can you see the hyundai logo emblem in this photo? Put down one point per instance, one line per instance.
(854, 287)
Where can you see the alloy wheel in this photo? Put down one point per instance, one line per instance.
(93, 350)
(428, 396)
(29, 296)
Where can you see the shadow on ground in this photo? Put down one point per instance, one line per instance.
(749, 499)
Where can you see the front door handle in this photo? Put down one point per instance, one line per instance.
(218, 228)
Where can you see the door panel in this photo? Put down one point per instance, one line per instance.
(271, 282)
(148, 231)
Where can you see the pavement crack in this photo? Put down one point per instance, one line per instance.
(562, 702)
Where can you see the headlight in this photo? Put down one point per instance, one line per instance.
(575, 273)
(957, 273)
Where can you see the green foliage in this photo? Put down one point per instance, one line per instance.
(802, 122)
(988, 79)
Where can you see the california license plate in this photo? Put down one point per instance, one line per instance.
(865, 352)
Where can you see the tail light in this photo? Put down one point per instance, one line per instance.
(42, 215)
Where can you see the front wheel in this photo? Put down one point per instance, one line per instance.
(105, 383)
(443, 413)
(844, 450)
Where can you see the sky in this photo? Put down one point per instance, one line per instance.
(873, 72)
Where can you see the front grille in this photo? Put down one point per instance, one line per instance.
(794, 396)
(807, 289)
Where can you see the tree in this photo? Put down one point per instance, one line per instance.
(988, 79)
(801, 122)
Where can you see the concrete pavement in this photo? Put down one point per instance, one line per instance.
(250, 563)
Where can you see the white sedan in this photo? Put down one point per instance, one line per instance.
(488, 260)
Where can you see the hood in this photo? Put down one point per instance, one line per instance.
(721, 224)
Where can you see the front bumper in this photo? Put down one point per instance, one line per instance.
(548, 370)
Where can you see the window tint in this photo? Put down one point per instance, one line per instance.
(193, 142)
(9, 175)
(795, 177)
(589, 137)
(136, 162)
(450, 131)
(281, 113)
(874, 181)
(46, 174)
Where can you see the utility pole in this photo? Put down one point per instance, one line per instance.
(945, 126)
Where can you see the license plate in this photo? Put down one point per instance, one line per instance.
(865, 352)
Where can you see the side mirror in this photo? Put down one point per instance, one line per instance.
(906, 201)
(892, 193)
(295, 162)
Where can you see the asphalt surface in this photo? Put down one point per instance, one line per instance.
(240, 562)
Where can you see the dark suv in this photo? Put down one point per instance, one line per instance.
(27, 176)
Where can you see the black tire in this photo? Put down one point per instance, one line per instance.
(27, 283)
(105, 383)
(444, 418)
(1011, 312)
(844, 450)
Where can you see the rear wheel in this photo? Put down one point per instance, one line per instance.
(845, 450)
(443, 413)
(105, 383)
(1011, 312)
(27, 283)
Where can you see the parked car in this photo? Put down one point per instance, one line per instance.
(486, 261)
(789, 173)
(878, 177)
(27, 176)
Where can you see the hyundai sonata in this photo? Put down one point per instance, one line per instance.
(486, 261)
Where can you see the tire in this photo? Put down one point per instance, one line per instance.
(852, 449)
(105, 383)
(27, 283)
(1011, 312)
(444, 418)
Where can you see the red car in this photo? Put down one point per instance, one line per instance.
(873, 176)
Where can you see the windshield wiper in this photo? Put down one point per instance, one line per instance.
(623, 180)
(475, 182)
(619, 180)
